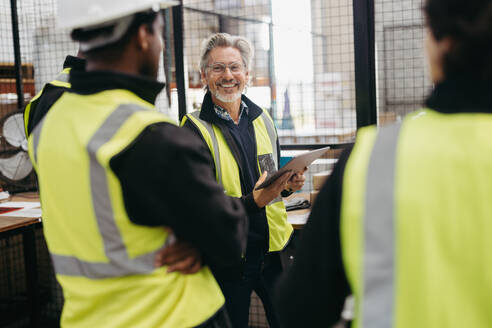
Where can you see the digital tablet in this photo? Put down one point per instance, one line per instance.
(296, 164)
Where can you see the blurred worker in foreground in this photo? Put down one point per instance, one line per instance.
(113, 173)
(243, 141)
(404, 222)
(51, 92)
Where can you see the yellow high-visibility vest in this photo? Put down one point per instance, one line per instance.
(416, 221)
(103, 261)
(227, 170)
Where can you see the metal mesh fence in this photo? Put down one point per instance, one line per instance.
(333, 70)
(302, 72)
(202, 18)
(43, 48)
(14, 162)
(43, 45)
(402, 72)
(12, 280)
(303, 68)
(13, 289)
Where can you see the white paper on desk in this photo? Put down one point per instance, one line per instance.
(25, 213)
(298, 218)
(26, 209)
(24, 205)
(4, 195)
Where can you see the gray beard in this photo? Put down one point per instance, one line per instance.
(231, 98)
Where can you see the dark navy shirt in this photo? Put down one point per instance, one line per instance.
(244, 138)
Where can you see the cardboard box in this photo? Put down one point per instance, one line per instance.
(319, 179)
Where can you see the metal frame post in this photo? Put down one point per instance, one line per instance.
(271, 67)
(17, 54)
(167, 56)
(179, 58)
(30, 260)
(365, 62)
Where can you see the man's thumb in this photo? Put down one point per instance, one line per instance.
(262, 178)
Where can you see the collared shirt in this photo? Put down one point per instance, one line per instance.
(224, 114)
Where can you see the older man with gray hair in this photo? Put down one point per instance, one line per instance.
(243, 141)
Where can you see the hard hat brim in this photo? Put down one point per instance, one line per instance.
(86, 16)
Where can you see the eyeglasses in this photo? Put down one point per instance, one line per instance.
(221, 67)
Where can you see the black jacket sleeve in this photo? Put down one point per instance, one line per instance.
(50, 94)
(41, 105)
(167, 180)
(247, 200)
(313, 291)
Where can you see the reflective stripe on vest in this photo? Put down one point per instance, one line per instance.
(430, 237)
(272, 134)
(379, 266)
(215, 146)
(62, 79)
(115, 250)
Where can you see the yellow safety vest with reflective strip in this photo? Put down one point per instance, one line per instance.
(60, 81)
(416, 222)
(227, 170)
(103, 261)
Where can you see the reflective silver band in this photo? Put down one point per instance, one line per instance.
(101, 201)
(273, 136)
(62, 77)
(215, 144)
(379, 277)
(72, 266)
(119, 263)
(36, 134)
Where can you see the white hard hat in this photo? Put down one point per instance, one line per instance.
(74, 14)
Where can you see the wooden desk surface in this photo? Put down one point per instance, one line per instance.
(9, 222)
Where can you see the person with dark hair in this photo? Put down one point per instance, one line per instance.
(41, 103)
(130, 204)
(243, 140)
(404, 222)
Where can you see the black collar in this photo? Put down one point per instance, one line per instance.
(97, 81)
(208, 114)
(75, 63)
(461, 95)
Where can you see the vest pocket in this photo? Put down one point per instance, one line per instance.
(267, 163)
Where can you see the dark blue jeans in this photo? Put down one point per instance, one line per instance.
(259, 273)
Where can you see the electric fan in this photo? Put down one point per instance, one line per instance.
(16, 171)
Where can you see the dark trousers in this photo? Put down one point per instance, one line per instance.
(219, 320)
(259, 273)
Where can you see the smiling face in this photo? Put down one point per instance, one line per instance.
(226, 86)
